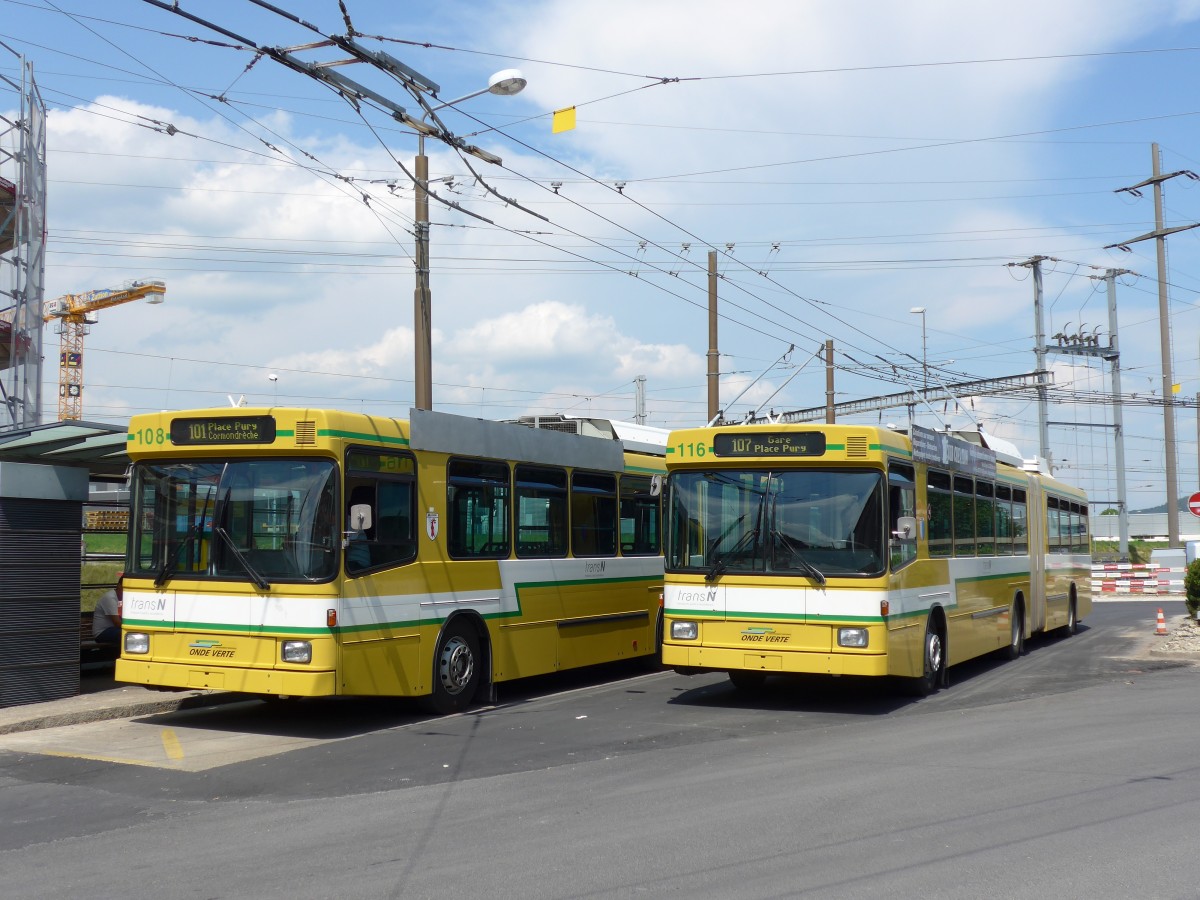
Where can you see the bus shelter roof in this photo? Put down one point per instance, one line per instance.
(97, 447)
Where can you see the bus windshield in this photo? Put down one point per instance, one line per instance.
(243, 520)
(806, 522)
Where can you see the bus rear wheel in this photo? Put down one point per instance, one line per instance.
(1072, 625)
(455, 671)
(1016, 640)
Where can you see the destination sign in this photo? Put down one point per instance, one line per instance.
(770, 443)
(382, 463)
(945, 450)
(223, 430)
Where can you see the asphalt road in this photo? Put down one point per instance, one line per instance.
(1066, 773)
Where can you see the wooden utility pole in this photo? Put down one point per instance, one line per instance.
(714, 364)
(830, 417)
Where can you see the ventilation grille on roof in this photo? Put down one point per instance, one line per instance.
(552, 423)
(306, 433)
(856, 447)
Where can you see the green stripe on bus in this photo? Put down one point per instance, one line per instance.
(354, 435)
(253, 630)
(240, 630)
(1018, 577)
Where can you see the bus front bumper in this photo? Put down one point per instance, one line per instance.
(690, 660)
(214, 678)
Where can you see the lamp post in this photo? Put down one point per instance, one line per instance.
(503, 84)
(924, 349)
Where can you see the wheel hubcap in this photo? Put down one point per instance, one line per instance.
(933, 652)
(456, 665)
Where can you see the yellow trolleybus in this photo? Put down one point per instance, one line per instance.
(854, 550)
(302, 552)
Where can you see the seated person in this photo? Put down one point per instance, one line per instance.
(106, 619)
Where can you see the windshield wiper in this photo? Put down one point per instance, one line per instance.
(722, 560)
(812, 571)
(164, 571)
(808, 568)
(262, 583)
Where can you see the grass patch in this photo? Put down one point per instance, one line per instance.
(1139, 551)
(104, 542)
(97, 573)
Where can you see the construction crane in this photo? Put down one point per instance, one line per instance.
(76, 313)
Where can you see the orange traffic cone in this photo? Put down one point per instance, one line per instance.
(1161, 628)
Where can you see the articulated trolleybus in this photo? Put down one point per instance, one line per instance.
(299, 552)
(854, 550)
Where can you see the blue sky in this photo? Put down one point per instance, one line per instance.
(849, 161)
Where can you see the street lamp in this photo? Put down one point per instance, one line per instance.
(924, 350)
(503, 84)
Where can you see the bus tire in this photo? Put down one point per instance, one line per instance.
(456, 670)
(747, 679)
(1072, 625)
(1016, 640)
(653, 661)
(934, 659)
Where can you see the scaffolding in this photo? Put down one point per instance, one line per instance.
(22, 250)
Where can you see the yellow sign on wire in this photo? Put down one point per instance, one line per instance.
(564, 120)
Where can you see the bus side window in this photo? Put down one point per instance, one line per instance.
(541, 511)
(358, 551)
(964, 516)
(902, 506)
(386, 483)
(1053, 526)
(1004, 521)
(985, 517)
(941, 517)
(1020, 521)
(477, 504)
(640, 517)
(593, 514)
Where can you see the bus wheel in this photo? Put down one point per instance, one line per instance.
(1072, 625)
(935, 664)
(455, 671)
(1016, 640)
(747, 679)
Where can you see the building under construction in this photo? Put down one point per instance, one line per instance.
(22, 250)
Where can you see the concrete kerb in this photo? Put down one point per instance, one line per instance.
(125, 702)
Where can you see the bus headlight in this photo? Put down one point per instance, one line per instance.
(853, 637)
(684, 631)
(137, 642)
(296, 652)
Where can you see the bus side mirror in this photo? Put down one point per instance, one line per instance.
(906, 528)
(360, 516)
